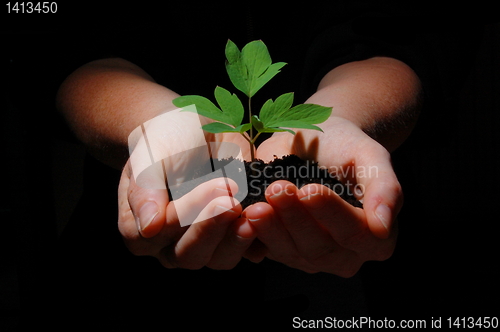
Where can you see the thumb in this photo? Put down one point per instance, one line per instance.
(383, 195)
(148, 197)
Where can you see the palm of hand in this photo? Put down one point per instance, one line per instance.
(312, 229)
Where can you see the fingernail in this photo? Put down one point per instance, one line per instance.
(311, 202)
(259, 225)
(383, 213)
(219, 209)
(224, 191)
(147, 214)
(281, 198)
(221, 214)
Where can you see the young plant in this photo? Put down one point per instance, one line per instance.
(249, 70)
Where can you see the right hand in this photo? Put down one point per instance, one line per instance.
(312, 228)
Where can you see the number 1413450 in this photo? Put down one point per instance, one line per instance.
(32, 7)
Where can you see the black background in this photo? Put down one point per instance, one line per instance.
(445, 264)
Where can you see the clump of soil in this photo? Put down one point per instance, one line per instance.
(260, 175)
(294, 169)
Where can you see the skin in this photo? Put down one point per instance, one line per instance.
(375, 105)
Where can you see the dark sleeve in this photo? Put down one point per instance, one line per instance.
(440, 50)
(359, 38)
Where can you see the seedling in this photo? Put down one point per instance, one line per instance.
(249, 70)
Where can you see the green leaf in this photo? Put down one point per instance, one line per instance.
(298, 124)
(232, 109)
(305, 113)
(230, 105)
(203, 107)
(256, 58)
(284, 101)
(236, 68)
(238, 77)
(233, 53)
(244, 127)
(250, 69)
(275, 130)
(259, 126)
(258, 83)
(309, 113)
(217, 127)
(278, 114)
(271, 111)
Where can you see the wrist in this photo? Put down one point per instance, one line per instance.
(105, 100)
(381, 96)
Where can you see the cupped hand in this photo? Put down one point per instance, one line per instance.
(312, 228)
(203, 227)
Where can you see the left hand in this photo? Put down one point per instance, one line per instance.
(202, 228)
(312, 228)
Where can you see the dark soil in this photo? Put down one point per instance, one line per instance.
(260, 175)
(294, 169)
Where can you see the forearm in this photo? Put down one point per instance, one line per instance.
(104, 100)
(382, 96)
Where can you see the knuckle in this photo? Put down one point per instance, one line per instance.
(397, 189)
(390, 184)
(374, 150)
(135, 195)
(394, 189)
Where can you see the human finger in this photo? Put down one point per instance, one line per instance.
(310, 239)
(141, 204)
(197, 244)
(382, 192)
(346, 224)
(271, 233)
(231, 249)
(187, 209)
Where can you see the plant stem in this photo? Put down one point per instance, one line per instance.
(249, 140)
(252, 153)
(250, 116)
(252, 146)
(255, 138)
